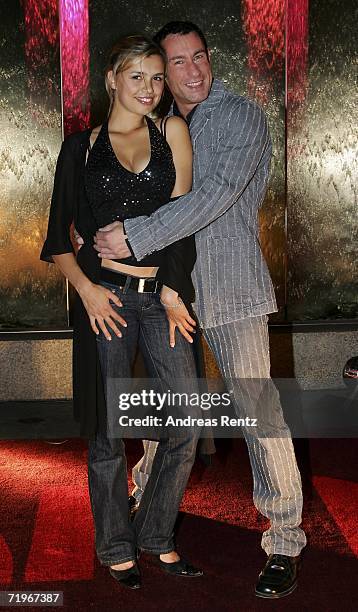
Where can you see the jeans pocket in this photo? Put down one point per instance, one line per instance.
(118, 291)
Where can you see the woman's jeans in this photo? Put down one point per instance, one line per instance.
(152, 528)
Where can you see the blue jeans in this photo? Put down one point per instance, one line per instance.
(152, 528)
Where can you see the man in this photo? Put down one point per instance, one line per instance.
(234, 293)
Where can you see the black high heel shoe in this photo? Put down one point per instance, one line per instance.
(130, 578)
(180, 568)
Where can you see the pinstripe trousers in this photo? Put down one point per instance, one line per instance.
(241, 350)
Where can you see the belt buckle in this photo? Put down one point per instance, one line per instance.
(141, 284)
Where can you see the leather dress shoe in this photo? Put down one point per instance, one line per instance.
(180, 568)
(130, 578)
(133, 506)
(279, 577)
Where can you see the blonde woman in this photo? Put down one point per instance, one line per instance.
(127, 167)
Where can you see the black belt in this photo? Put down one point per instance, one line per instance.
(142, 285)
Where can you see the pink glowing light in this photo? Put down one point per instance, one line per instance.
(296, 52)
(41, 40)
(74, 37)
(263, 24)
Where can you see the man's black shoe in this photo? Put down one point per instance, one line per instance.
(279, 577)
(133, 506)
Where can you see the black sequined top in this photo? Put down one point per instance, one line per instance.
(116, 194)
(70, 205)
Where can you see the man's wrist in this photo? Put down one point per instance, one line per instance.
(134, 230)
(127, 239)
(129, 246)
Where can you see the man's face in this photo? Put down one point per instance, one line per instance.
(189, 75)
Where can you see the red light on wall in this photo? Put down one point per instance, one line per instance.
(263, 23)
(297, 52)
(74, 39)
(41, 39)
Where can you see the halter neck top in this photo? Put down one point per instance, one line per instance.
(115, 193)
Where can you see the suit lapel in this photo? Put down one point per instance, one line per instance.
(198, 123)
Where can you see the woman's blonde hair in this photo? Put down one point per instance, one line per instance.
(125, 51)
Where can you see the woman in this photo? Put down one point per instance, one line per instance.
(129, 166)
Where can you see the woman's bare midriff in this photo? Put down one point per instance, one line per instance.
(141, 272)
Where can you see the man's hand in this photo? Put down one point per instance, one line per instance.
(110, 242)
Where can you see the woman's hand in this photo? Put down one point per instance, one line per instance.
(177, 315)
(96, 299)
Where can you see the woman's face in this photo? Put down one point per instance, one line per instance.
(140, 86)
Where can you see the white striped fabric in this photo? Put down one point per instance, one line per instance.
(241, 350)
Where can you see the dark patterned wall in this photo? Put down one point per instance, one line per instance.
(32, 295)
(322, 171)
(247, 43)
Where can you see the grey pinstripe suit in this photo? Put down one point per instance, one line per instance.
(234, 292)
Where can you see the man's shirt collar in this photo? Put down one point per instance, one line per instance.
(189, 116)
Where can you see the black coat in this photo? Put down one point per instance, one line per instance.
(69, 205)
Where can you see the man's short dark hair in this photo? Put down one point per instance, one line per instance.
(179, 27)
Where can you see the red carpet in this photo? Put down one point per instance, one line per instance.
(62, 543)
(46, 539)
(341, 500)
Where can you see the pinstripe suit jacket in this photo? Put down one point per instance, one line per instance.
(232, 152)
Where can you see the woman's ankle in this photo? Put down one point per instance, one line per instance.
(123, 566)
(171, 557)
